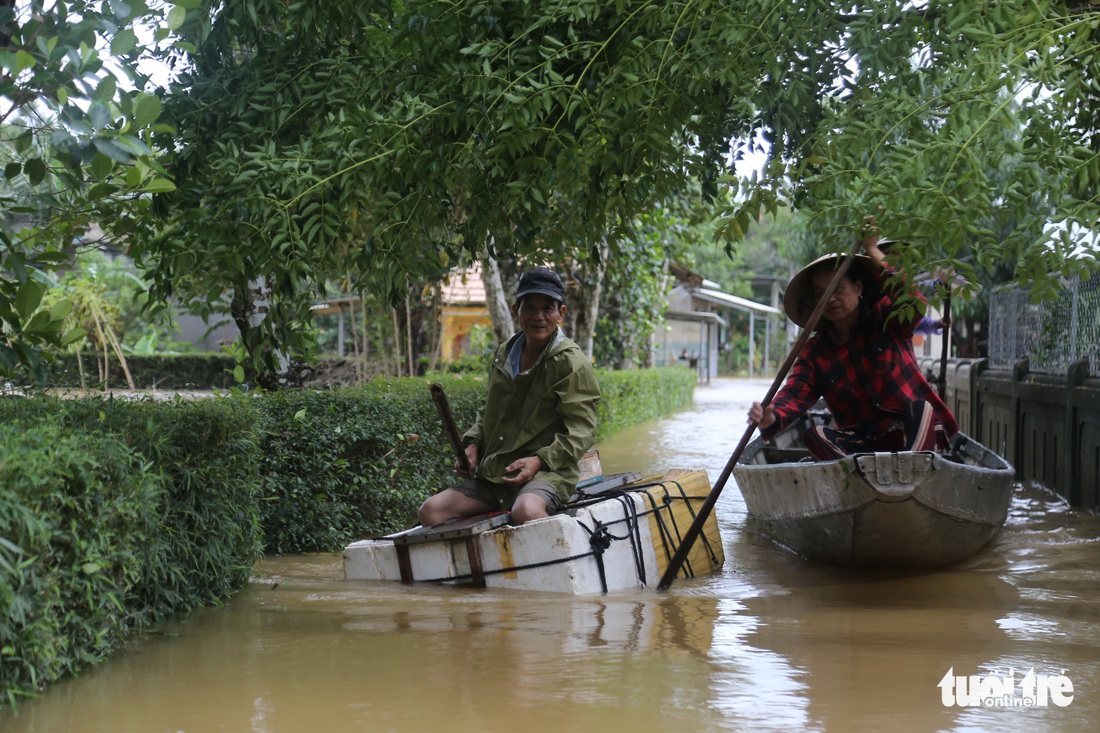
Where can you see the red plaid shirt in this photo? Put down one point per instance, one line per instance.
(866, 382)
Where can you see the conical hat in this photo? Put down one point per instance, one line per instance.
(798, 300)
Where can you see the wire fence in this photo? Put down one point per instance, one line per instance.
(1053, 335)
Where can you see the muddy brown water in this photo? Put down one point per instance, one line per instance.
(772, 643)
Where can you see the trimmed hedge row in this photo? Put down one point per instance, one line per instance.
(115, 515)
(73, 516)
(633, 397)
(340, 465)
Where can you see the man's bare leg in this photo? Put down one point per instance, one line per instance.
(449, 504)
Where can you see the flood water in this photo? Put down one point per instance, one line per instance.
(772, 643)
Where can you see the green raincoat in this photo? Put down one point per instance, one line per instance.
(548, 411)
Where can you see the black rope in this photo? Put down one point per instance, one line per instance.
(671, 537)
(601, 538)
(470, 576)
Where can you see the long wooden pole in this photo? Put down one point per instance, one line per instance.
(941, 383)
(705, 509)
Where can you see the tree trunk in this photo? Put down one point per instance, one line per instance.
(497, 300)
(583, 285)
(249, 309)
(435, 338)
(647, 354)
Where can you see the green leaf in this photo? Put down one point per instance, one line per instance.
(23, 60)
(159, 185)
(35, 170)
(73, 335)
(238, 374)
(99, 114)
(28, 298)
(40, 325)
(8, 357)
(112, 149)
(300, 414)
(124, 42)
(102, 166)
(11, 170)
(23, 142)
(146, 109)
(60, 309)
(176, 17)
(101, 191)
(105, 91)
(91, 568)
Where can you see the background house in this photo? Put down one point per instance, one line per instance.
(463, 310)
(696, 325)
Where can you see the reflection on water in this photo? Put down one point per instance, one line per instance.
(771, 643)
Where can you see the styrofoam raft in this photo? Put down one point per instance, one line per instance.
(640, 529)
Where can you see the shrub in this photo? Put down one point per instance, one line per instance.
(120, 514)
(149, 371)
(75, 516)
(343, 464)
(634, 396)
(116, 514)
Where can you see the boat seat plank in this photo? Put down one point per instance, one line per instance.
(463, 529)
(452, 529)
(774, 455)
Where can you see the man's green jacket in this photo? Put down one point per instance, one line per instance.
(548, 411)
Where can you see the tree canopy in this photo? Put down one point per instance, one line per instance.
(377, 142)
(74, 143)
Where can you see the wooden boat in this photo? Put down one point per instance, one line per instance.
(617, 534)
(913, 510)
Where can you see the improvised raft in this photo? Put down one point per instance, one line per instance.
(617, 534)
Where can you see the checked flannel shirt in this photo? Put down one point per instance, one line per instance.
(867, 382)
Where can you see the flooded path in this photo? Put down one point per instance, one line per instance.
(772, 643)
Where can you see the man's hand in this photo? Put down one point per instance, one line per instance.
(471, 456)
(524, 469)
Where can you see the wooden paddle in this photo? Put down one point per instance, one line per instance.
(439, 397)
(696, 527)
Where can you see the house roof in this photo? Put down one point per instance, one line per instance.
(707, 290)
(699, 316)
(464, 286)
(732, 301)
(684, 275)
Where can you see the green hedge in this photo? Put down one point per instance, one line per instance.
(115, 515)
(632, 397)
(74, 514)
(339, 465)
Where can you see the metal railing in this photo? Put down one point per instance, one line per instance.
(1053, 335)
